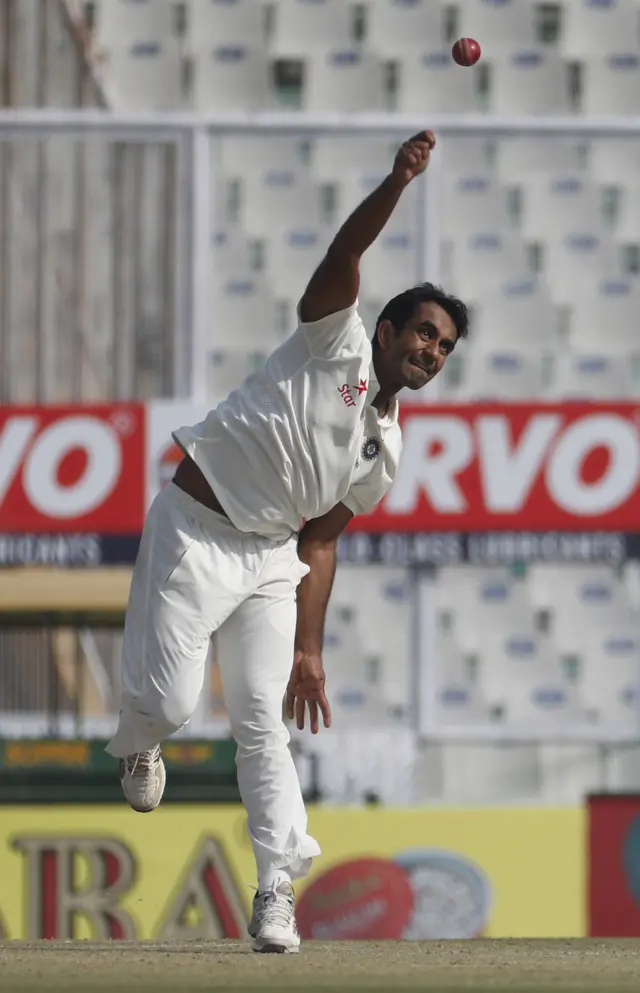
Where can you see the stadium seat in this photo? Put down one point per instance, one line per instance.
(547, 583)
(390, 265)
(397, 27)
(578, 600)
(596, 28)
(303, 25)
(354, 698)
(231, 77)
(354, 704)
(481, 598)
(609, 307)
(627, 225)
(355, 186)
(615, 161)
(473, 202)
(144, 76)
(508, 372)
(344, 80)
(576, 258)
(292, 256)
(503, 26)
(521, 156)
(459, 704)
(610, 675)
(381, 601)
(243, 312)
(556, 205)
(248, 155)
(230, 255)
(521, 313)
(612, 85)
(462, 156)
(224, 206)
(453, 664)
(457, 699)
(119, 24)
(551, 702)
(592, 375)
(484, 260)
(212, 23)
(228, 370)
(530, 82)
(334, 156)
(520, 674)
(431, 83)
(277, 199)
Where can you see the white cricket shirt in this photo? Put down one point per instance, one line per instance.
(300, 435)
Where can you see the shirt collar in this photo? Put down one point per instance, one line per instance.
(391, 417)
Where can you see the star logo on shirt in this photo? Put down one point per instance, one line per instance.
(363, 387)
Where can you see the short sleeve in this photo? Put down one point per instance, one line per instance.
(343, 330)
(364, 496)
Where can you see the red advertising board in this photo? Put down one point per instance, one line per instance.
(496, 467)
(72, 469)
(482, 468)
(614, 866)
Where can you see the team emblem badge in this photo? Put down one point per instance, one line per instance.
(370, 449)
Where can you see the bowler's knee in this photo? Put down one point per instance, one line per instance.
(171, 712)
(257, 737)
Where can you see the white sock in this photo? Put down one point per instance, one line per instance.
(272, 879)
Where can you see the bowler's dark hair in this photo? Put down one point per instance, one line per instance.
(399, 310)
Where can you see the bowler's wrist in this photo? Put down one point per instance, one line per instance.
(394, 183)
(303, 647)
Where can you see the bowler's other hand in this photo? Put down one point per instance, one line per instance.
(306, 687)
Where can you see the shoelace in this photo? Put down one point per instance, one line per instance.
(276, 909)
(144, 762)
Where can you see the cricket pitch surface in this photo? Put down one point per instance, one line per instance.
(594, 965)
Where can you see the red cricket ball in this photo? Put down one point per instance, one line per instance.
(466, 51)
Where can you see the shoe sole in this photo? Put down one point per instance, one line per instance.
(154, 806)
(272, 949)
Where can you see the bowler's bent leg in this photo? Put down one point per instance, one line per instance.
(166, 634)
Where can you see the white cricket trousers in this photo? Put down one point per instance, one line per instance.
(196, 574)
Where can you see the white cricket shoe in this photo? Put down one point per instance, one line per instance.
(143, 777)
(273, 921)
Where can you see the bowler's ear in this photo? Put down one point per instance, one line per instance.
(384, 333)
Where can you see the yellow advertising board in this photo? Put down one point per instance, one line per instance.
(180, 873)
